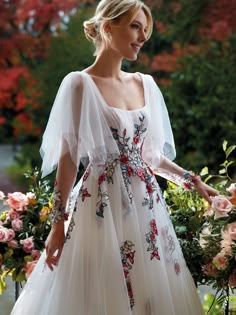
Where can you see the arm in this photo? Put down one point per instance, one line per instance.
(65, 179)
(176, 171)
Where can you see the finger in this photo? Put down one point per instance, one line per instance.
(58, 255)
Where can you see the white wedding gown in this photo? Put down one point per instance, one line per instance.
(121, 256)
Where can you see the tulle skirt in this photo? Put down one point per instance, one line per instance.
(117, 260)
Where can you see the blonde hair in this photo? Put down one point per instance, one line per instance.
(113, 10)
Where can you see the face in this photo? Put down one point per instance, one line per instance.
(128, 37)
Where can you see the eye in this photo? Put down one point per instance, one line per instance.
(135, 26)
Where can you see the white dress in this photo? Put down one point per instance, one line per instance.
(121, 256)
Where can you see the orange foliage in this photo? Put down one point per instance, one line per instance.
(167, 61)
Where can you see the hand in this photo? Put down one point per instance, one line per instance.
(54, 244)
(206, 191)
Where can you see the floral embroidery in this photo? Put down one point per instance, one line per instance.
(170, 248)
(70, 228)
(127, 257)
(131, 161)
(83, 192)
(151, 240)
(58, 211)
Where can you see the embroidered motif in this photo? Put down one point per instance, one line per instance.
(151, 240)
(127, 258)
(83, 192)
(58, 211)
(170, 249)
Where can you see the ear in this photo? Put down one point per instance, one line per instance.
(107, 27)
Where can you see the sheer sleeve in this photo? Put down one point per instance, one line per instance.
(61, 135)
(159, 140)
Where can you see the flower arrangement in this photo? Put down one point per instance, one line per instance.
(24, 227)
(207, 234)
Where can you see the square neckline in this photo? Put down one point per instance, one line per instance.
(106, 105)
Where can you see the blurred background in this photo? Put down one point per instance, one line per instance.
(191, 55)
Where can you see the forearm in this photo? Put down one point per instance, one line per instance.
(65, 179)
(170, 167)
(177, 174)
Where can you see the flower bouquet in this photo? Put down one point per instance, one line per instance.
(207, 234)
(24, 227)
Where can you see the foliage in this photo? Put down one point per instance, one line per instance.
(207, 234)
(24, 227)
(201, 98)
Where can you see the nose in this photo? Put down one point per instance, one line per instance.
(142, 36)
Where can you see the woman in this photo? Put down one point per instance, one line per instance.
(121, 254)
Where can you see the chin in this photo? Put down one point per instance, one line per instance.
(131, 58)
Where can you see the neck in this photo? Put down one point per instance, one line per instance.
(107, 64)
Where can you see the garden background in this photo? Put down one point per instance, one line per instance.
(191, 55)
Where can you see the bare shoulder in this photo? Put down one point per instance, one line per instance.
(74, 79)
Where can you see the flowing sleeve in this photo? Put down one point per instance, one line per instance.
(159, 140)
(62, 133)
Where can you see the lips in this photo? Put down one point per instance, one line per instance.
(136, 47)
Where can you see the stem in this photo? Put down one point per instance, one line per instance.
(226, 303)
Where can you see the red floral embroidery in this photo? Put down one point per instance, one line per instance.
(151, 240)
(127, 257)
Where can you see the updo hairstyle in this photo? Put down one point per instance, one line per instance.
(113, 10)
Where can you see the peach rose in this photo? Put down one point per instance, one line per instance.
(17, 201)
(28, 244)
(232, 280)
(29, 267)
(17, 224)
(226, 242)
(221, 206)
(12, 243)
(35, 254)
(210, 270)
(220, 261)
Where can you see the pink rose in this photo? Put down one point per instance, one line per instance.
(12, 243)
(226, 243)
(29, 267)
(221, 206)
(232, 189)
(3, 234)
(17, 224)
(232, 280)
(2, 195)
(231, 230)
(28, 244)
(11, 234)
(220, 261)
(13, 214)
(17, 201)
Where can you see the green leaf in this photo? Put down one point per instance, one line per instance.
(204, 171)
(230, 150)
(222, 171)
(225, 143)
